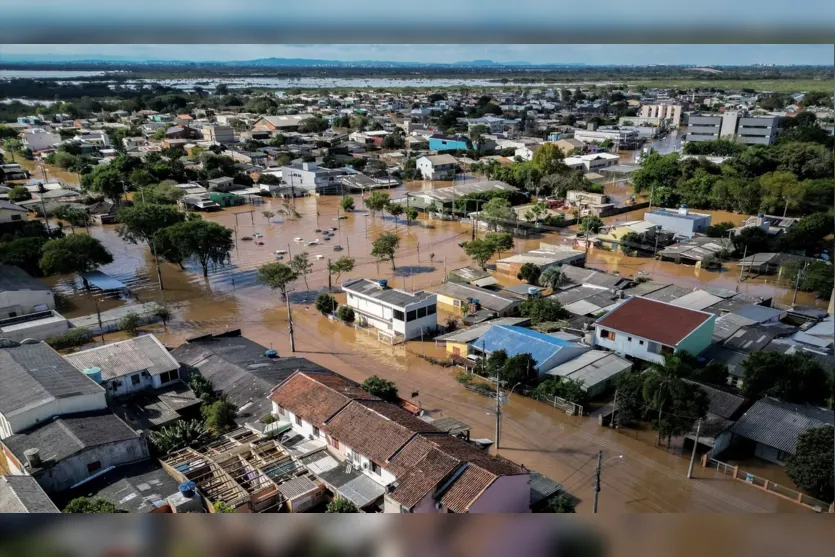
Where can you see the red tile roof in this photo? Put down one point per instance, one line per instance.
(424, 477)
(409, 455)
(467, 489)
(654, 320)
(317, 397)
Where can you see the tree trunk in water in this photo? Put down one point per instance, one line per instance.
(393, 268)
(205, 270)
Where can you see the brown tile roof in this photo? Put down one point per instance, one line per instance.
(400, 416)
(315, 397)
(465, 452)
(424, 477)
(368, 433)
(466, 489)
(653, 320)
(410, 455)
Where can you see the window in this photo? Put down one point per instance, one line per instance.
(280, 411)
(607, 334)
(456, 351)
(398, 315)
(298, 421)
(629, 339)
(375, 469)
(782, 456)
(93, 466)
(335, 443)
(431, 310)
(134, 379)
(411, 316)
(315, 432)
(17, 217)
(167, 377)
(421, 312)
(456, 303)
(641, 342)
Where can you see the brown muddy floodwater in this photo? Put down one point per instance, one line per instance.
(647, 479)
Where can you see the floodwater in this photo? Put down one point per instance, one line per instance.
(47, 172)
(647, 479)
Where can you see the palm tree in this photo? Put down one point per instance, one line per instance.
(663, 383)
(550, 278)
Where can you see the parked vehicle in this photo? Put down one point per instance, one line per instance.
(257, 235)
(247, 238)
(298, 239)
(281, 252)
(337, 247)
(313, 242)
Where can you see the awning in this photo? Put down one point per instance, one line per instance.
(103, 281)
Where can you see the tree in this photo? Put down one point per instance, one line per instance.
(382, 388)
(719, 230)
(810, 467)
(548, 158)
(162, 194)
(129, 323)
(520, 368)
(781, 190)
(477, 134)
(277, 276)
(664, 390)
(501, 241)
(208, 241)
(78, 253)
(222, 508)
(342, 265)
(142, 221)
(395, 210)
(411, 215)
(85, 505)
(818, 278)
(550, 278)
(529, 273)
(542, 310)
(657, 171)
(202, 388)
(591, 224)
(568, 389)
(342, 506)
(394, 141)
(326, 304)
(181, 434)
(377, 201)
(347, 203)
(302, 266)
(791, 377)
(107, 181)
(494, 363)
(75, 216)
(751, 240)
(12, 146)
(19, 193)
(715, 373)
(219, 416)
(562, 503)
(480, 251)
(629, 400)
(385, 246)
(346, 314)
(497, 209)
(24, 252)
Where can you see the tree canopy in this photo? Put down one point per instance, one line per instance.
(142, 221)
(810, 467)
(78, 253)
(382, 388)
(790, 377)
(385, 246)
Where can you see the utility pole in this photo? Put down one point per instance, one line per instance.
(156, 260)
(597, 480)
(693, 454)
(289, 253)
(498, 412)
(329, 274)
(101, 328)
(614, 409)
(797, 282)
(348, 245)
(290, 323)
(742, 263)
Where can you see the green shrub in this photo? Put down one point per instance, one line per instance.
(73, 337)
(346, 314)
(130, 323)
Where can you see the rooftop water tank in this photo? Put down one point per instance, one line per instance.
(383, 283)
(271, 353)
(187, 488)
(93, 373)
(533, 291)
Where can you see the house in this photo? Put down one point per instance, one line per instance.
(180, 132)
(470, 275)
(310, 177)
(36, 384)
(723, 410)
(771, 263)
(682, 221)
(395, 313)
(41, 325)
(443, 199)
(648, 329)
(594, 162)
(440, 143)
(11, 212)
(21, 294)
(219, 134)
(459, 297)
(597, 369)
(22, 494)
(458, 342)
(62, 452)
(129, 366)
(239, 369)
(569, 145)
(38, 139)
(549, 255)
(437, 167)
(103, 212)
(396, 462)
(547, 351)
(773, 426)
(282, 123)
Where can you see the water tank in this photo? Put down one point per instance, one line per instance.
(271, 353)
(187, 488)
(533, 291)
(383, 283)
(682, 210)
(33, 457)
(93, 373)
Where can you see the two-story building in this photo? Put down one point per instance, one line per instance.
(437, 167)
(395, 313)
(129, 366)
(648, 330)
(37, 384)
(399, 462)
(21, 294)
(310, 177)
(440, 143)
(681, 221)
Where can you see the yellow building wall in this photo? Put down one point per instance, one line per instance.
(461, 346)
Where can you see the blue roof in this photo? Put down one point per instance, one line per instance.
(518, 340)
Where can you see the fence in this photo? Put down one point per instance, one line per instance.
(571, 408)
(767, 485)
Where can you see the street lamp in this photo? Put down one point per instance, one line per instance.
(600, 465)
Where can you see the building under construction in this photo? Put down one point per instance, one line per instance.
(247, 472)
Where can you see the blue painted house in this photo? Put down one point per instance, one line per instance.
(548, 351)
(438, 142)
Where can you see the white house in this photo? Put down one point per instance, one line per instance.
(37, 384)
(9, 212)
(39, 139)
(392, 311)
(21, 294)
(648, 330)
(592, 163)
(437, 167)
(130, 365)
(309, 177)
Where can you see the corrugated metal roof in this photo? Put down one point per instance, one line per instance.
(515, 340)
(487, 298)
(13, 279)
(592, 368)
(22, 494)
(698, 299)
(472, 333)
(144, 353)
(371, 289)
(296, 487)
(778, 424)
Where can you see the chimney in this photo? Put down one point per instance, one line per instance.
(33, 458)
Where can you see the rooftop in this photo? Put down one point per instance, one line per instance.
(393, 296)
(35, 374)
(15, 279)
(22, 494)
(653, 320)
(489, 299)
(675, 214)
(778, 424)
(143, 353)
(516, 340)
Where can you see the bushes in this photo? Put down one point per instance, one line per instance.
(326, 304)
(73, 337)
(340, 505)
(130, 323)
(346, 314)
(382, 388)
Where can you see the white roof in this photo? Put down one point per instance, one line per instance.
(592, 367)
(697, 300)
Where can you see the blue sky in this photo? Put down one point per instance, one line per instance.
(535, 53)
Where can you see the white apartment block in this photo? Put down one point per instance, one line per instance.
(392, 311)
